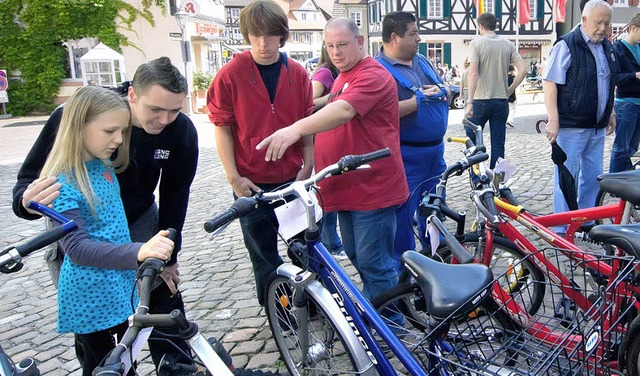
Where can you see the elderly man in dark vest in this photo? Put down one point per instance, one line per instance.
(578, 114)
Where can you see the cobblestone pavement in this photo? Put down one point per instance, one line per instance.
(218, 284)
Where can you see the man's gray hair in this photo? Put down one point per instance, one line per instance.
(592, 4)
(343, 22)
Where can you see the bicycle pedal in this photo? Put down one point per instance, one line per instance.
(565, 310)
(170, 367)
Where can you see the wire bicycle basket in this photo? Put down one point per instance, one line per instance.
(504, 337)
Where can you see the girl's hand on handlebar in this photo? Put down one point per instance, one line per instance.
(43, 191)
(159, 247)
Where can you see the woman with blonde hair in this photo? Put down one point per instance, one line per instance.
(97, 279)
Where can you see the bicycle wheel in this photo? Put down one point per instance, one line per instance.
(605, 198)
(632, 357)
(328, 352)
(520, 277)
(469, 341)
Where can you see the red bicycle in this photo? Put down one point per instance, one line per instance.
(593, 293)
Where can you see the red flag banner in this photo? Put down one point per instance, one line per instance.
(525, 12)
(559, 10)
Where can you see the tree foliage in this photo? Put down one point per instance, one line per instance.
(33, 32)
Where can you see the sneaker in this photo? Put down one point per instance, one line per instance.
(340, 256)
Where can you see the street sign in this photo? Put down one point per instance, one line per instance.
(4, 83)
(175, 35)
(4, 98)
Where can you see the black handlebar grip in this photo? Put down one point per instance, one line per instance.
(478, 158)
(351, 162)
(487, 200)
(39, 241)
(459, 252)
(172, 234)
(241, 207)
(506, 193)
(477, 131)
(219, 220)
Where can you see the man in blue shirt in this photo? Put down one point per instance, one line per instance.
(424, 112)
(577, 113)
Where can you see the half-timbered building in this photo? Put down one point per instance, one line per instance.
(447, 26)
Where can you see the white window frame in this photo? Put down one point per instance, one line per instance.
(533, 10)
(435, 9)
(620, 3)
(356, 16)
(490, 6)
(435, 46)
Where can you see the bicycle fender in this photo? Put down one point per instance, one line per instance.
(322, 297)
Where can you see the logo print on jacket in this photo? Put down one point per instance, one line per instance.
(161, 154)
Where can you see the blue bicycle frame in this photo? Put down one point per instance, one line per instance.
(354, 306)
(358, 311)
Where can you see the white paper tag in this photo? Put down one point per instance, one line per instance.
(502, 165)
(135, 349)
(434, 237)
(292, 216)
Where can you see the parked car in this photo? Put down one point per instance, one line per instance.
(455, 100)
(311, 64)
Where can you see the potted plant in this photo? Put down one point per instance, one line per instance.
(201, 82)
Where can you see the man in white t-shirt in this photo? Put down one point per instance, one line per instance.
(489, 60)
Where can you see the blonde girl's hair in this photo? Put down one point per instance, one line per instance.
(66, 156)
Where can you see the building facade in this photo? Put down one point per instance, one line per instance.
(447, 26)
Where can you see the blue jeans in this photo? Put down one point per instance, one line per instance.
(260, 234)
(496, 112)
(627, 138)
(585, 154)
(422, 167)
(329, 235)
(368, 237)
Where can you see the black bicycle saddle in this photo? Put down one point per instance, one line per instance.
(625, 184)
(627, 237)
(448, 288)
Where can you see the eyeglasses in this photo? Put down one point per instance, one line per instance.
(340, 46)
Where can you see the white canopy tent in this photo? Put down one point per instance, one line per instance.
(103, 66)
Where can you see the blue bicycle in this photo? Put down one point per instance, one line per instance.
(11, 262)
(322, 324)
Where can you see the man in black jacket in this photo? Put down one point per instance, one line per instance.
(579, 78)
(164, 142)
(627, 103)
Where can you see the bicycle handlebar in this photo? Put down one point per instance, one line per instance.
(148, 270)
(245, 205)
(477, 131)
(13, 254)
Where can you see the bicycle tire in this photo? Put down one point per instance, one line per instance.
(329, 352)
(632, 357)
(527, 280)
(415, 332)
(605, 198)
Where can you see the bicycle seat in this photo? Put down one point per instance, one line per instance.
(627, 237)
(625, 184)
(448, 288)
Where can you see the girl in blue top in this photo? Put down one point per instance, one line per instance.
(96, 290)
